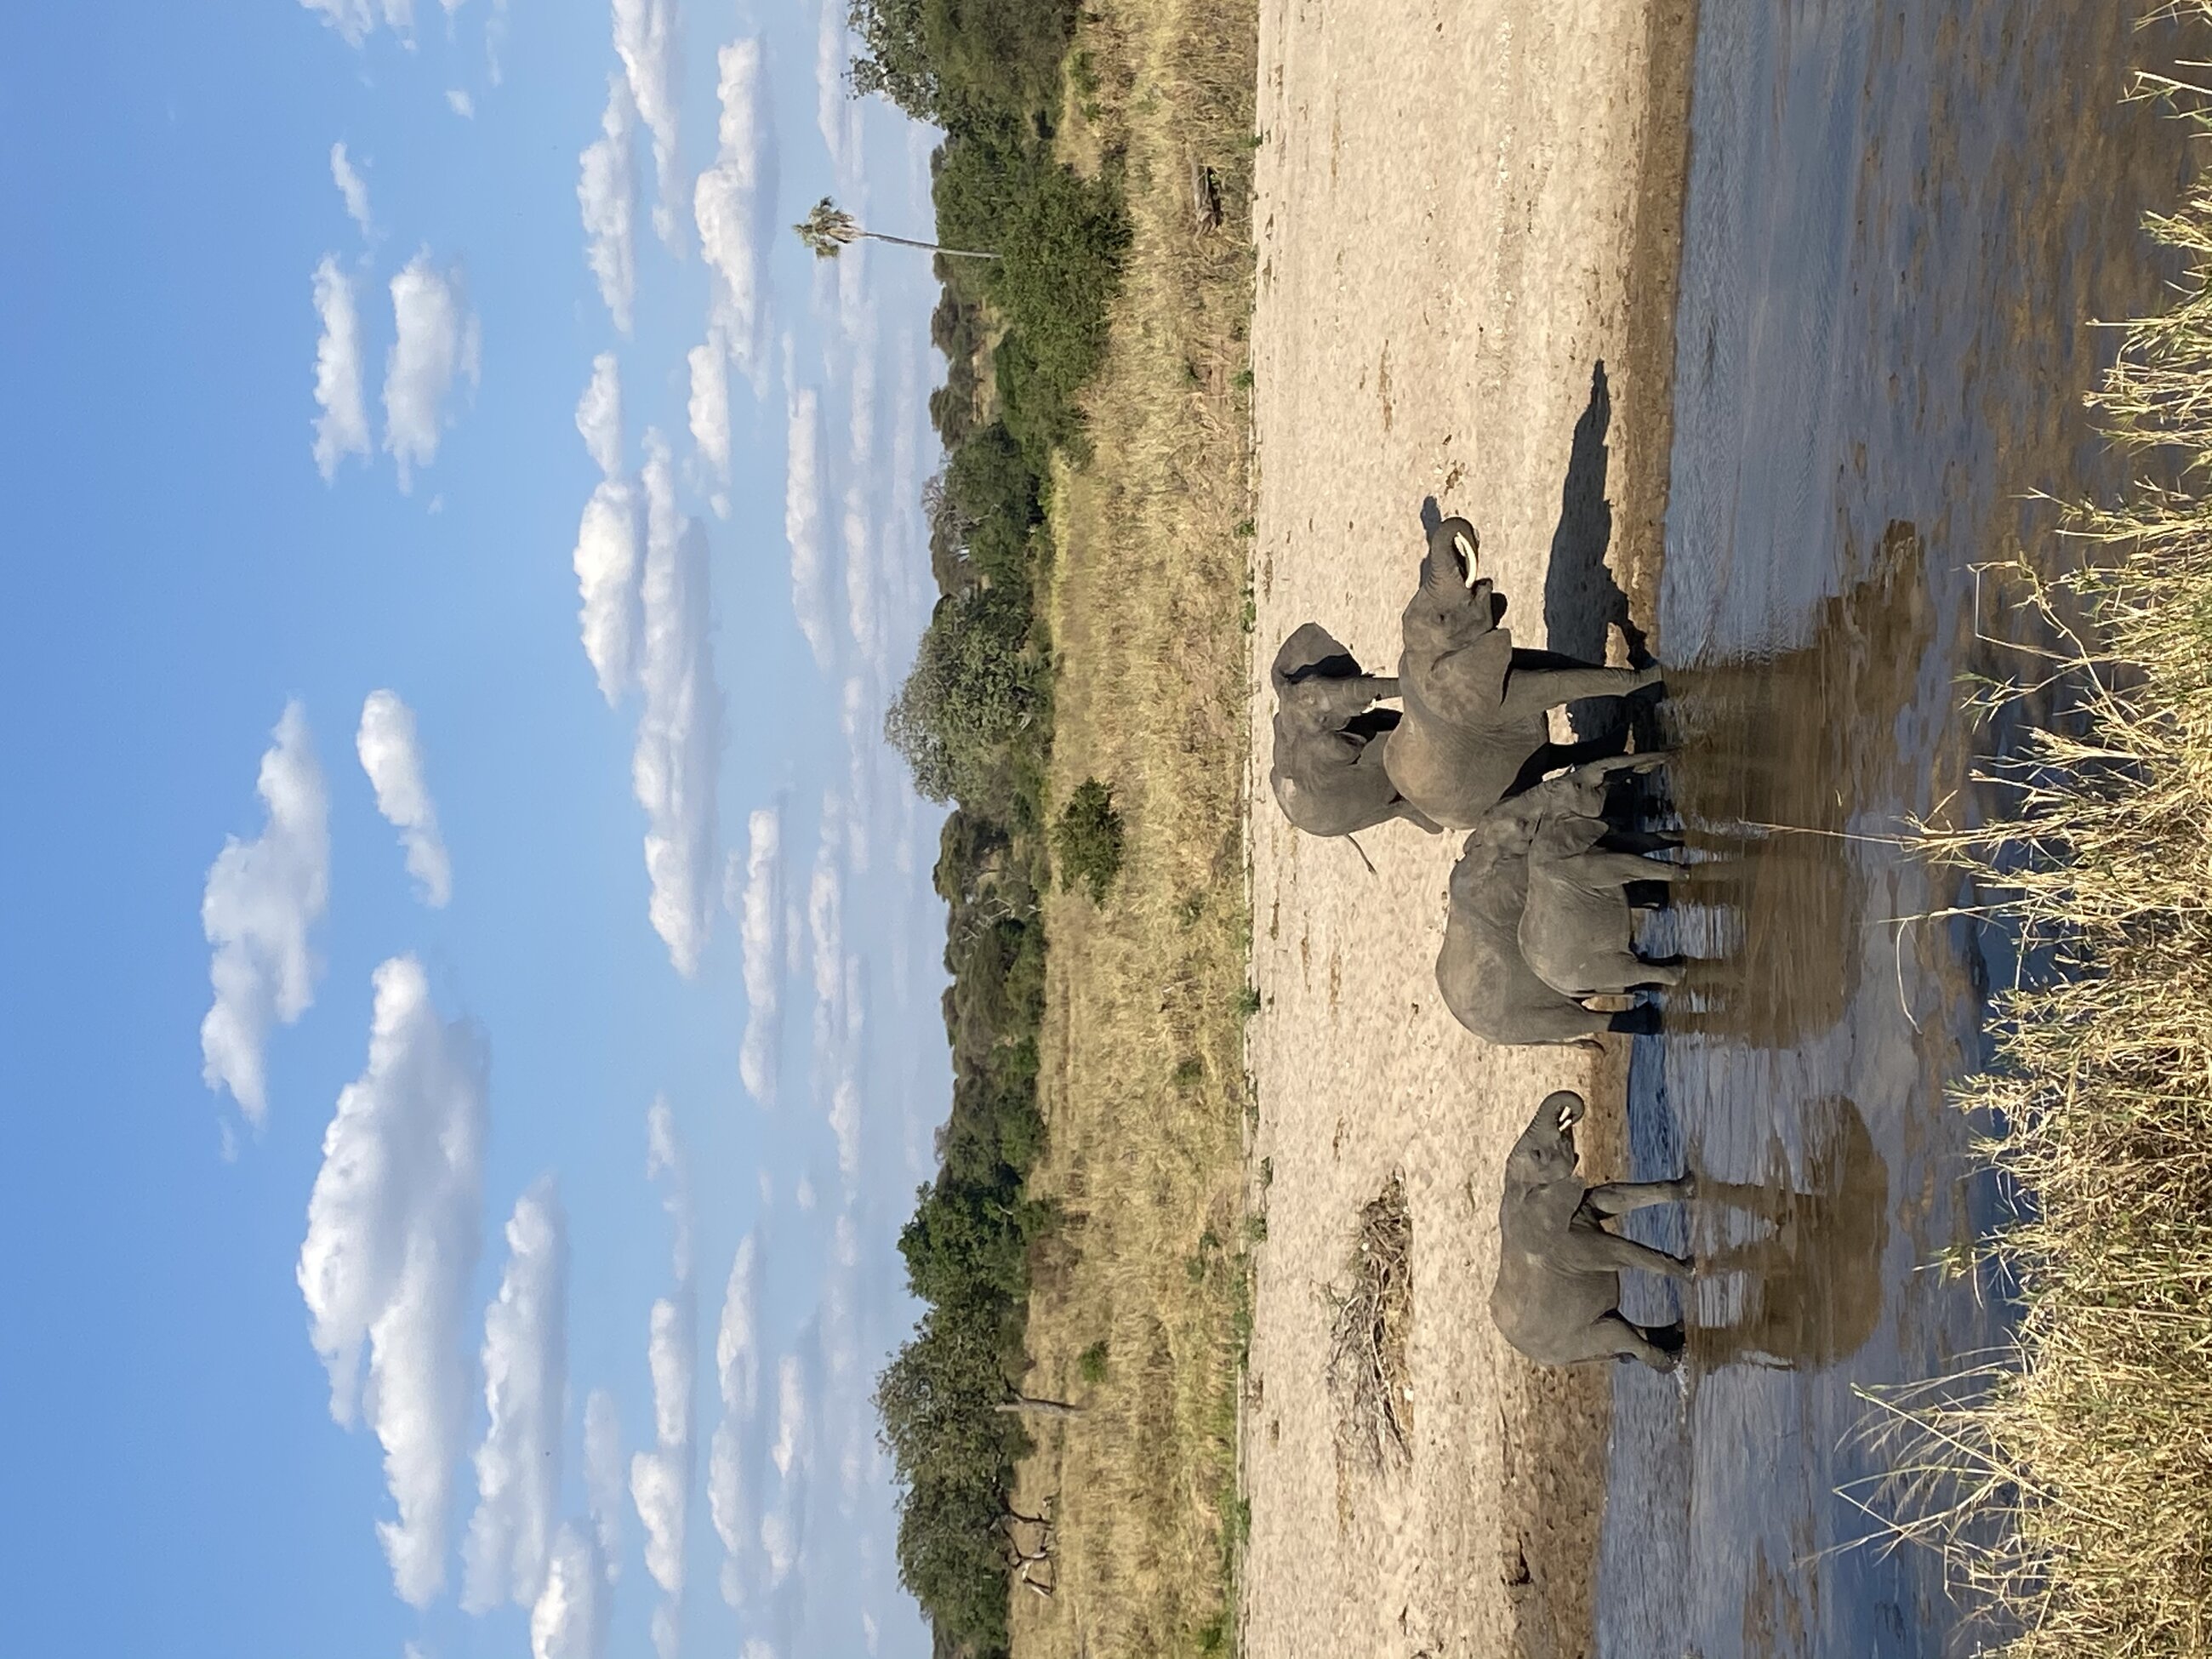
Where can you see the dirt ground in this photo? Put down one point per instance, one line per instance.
(1461, 211)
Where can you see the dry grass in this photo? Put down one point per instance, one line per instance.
(1144, 1085)
(1373, 1317)
(2071, 1484)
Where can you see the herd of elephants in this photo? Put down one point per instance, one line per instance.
(1541, 915)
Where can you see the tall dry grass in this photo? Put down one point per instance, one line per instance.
(2071, 1483)
(1138, 1310)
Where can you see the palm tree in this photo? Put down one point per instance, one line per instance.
(828, 227)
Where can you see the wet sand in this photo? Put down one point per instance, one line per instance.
(1463, 212)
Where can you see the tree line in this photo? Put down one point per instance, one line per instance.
(1022, 329)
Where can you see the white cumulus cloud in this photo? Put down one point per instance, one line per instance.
(354, 188)
(606, 193)
(661, 1477)
(802, 527)
(392, 1244)
(436, 342)
(261, 899)
(676, 766)
(759, 905)
(342, 429)
(603, 1477)
(734, 203)
(569, 1618)
(526, 1367)
(607, 578)
(647, 39)
(599, 414)
(392, 757)
(736, 1367)
(459, 101)
(709, 405)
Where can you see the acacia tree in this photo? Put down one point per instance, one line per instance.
(828, 229)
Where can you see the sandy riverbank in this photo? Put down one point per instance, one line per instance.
(1461, 211)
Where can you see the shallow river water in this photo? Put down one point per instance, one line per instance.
(1901, 221)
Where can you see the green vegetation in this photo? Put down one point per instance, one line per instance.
(1087, 842)
(2072, 1484)
(1030, 255)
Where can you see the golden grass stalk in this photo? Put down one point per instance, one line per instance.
(2070, 1481)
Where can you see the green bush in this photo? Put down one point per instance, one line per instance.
(1087, 842)
(1091, 1367)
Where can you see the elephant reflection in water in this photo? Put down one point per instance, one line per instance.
(1771, 752)
(1807, 1291)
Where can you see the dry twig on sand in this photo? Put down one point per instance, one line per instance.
(1367, 1369)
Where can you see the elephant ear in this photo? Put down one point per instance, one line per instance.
(1311, 652)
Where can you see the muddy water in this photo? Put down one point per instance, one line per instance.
(1899, 220)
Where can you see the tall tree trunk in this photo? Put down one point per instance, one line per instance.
(1029, 1405)
(907, 242)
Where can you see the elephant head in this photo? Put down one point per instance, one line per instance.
(1327, 771)
(1557, 1298)
(1474, 729)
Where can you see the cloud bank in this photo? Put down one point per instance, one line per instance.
(607, 194)
(526, 1368)
(646, 41)
(392, 757)
(392, 1244)
(599, 414)
(760, 927)
(261, 899)
(736, 1365)
(676, 766)
(660, 1478)
(354, 20)
(734, 203)
(803, 526)
(436, 342)
(569, 1618)
(342, 429)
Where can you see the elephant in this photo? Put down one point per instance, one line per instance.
(1473, 729)
(1327, 773)
(1558, 1295)
(1485, 981)
(1576, 930)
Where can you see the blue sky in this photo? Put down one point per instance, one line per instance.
(472, 969)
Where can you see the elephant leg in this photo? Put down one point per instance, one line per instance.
(1611, 1336)
(1413, 815)
(1590, 1250)
(1640, 841)
(1534, 689)
(1619, 1197)
(1600, 867)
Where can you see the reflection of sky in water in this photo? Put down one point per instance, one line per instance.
(1882, 280)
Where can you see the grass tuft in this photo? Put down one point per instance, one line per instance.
(2070, 1480)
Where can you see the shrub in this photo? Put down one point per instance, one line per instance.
(1091, 1367)
(1087, 842)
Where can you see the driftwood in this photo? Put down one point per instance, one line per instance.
(1023, 1405)
(1205, 196)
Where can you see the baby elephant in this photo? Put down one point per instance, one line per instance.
(1576, 926)
(1474, 728)
(1327, 773)
(1558, 1295)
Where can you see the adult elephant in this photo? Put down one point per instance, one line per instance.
(1558, 1295)
(1484, 979)
(1327, 773)
(1473, 729)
